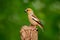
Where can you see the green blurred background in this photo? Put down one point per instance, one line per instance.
(13, 17)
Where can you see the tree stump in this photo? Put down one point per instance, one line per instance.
(29, 33)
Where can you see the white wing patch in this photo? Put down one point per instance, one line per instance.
(34, 18)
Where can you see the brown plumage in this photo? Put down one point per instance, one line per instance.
(33, 19)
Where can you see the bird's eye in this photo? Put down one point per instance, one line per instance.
(27, 10)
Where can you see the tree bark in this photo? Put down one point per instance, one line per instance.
(29, 33)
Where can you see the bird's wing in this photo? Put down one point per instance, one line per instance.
(33, 16)
(36, 20)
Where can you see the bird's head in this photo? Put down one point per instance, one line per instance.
(29, 11)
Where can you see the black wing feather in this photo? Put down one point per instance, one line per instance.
(37, 21)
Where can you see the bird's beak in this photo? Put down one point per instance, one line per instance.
(25, 11)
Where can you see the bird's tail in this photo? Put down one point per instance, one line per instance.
(41, 26)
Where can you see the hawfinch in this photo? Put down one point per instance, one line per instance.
(33, 19)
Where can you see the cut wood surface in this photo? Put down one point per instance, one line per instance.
(29, 33)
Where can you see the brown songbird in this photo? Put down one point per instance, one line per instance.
(33, 19)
